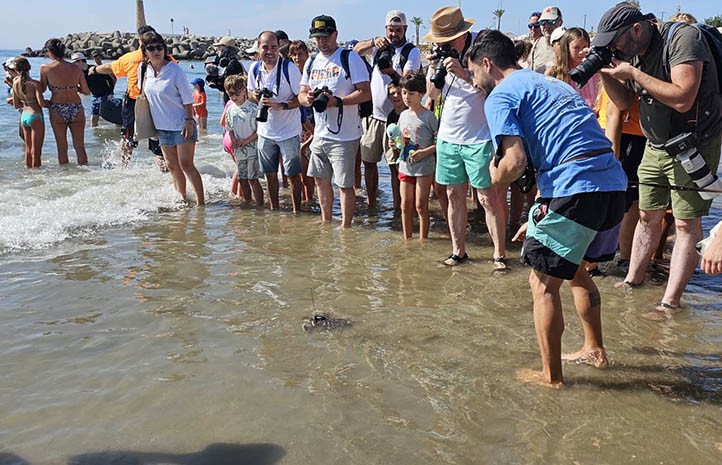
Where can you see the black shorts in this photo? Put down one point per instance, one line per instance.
(630, 155)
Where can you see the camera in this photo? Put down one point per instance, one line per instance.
(596, 59)
(385, 57)
(440, 54)
(262, 113)
(320, 99)
(526, 181)
(684, 149)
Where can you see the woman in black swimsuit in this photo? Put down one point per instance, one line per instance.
(65, 80)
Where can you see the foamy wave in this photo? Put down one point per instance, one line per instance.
(48, 206)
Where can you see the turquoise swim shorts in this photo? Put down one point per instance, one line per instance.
(457, 164)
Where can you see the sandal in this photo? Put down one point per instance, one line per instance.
(454, 260)
(500, 264)
(628, 285)
(663, 311)
(597, 273)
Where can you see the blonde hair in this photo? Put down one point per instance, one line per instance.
(562, 66)
(683, 17)
(234, 83)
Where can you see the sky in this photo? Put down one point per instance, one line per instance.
(356, 19)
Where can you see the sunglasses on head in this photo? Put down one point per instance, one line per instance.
(550, 22)
(534, 26)
(154, 48)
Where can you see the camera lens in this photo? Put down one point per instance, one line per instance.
(597, 58)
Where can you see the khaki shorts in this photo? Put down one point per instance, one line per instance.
(372, 140)
(657, 167)
(334, 160)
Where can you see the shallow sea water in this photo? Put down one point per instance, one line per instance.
(134, 330)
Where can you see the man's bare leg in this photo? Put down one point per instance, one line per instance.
(325, 198)
(371, 177)
(548, 323)
(348, 205)
(646, 238)
(495, 214)
(296, 186)
(457, 217)
(684, 259)
(272, 188)
(588, 303)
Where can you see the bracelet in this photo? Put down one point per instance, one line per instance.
(284, 105)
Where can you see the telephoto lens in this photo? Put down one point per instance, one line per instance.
(684, 149)
(262, 113)
(385, 57)
(597, 58)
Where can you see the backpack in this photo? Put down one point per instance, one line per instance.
(714, 41)
(364, 109)
(256, 72)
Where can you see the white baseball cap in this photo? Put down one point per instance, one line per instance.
(557, 34)
(10, 63)
(77, 56)
(395, 18)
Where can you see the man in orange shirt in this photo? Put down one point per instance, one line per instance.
(127, 65)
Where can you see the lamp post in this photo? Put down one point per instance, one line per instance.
(171, 26)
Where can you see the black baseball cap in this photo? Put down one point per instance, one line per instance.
(281, 35)
(621, 15)
(322, 26)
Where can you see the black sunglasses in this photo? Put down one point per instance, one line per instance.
(534, 26)
(544, 22)
(154, 48)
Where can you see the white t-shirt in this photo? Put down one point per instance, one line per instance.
(281, 124)
(167, 94)
(327, 71)
(463, 120)
(379, 80)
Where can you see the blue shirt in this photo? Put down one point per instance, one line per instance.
(556, 125)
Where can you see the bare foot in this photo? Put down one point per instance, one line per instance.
(596, 358)
(527, 375)
(627, 285)
(661, 312)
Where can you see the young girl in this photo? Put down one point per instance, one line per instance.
(27, 95)
(199, 103)
(417, 160)
(571, 53)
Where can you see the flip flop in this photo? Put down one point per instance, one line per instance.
(628, 285)
(501, 264)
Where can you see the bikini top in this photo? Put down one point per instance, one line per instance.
(51, 87)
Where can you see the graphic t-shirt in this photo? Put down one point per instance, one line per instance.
(327, 71)
(558, 129)
(418, 132)
(241, 119)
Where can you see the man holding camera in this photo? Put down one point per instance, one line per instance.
(544, 123)
(393, 56)
(334, 82)
(680, 109)
(463, 148)
(273, 84)
(227, 59)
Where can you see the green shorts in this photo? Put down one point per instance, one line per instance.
(457, 164)
(657, 167)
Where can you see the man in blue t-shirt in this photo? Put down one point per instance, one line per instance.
(539, 121)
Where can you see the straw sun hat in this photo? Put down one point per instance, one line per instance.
(447, 24)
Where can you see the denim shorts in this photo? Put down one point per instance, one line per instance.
(270, 150)
(171, 138)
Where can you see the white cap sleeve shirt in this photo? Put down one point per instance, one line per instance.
(327, 71)
(167, 92)
(379, 80)
(281, 124)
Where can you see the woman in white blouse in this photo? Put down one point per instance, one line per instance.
(170, 98)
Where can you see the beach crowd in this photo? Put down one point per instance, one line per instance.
(605, 143)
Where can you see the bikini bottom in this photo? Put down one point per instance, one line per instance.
(27, 118)
(67, 111)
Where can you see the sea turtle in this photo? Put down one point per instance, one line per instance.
(324, 323)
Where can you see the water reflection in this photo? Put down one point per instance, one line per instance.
(214, 454)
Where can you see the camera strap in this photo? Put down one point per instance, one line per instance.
(339, 118)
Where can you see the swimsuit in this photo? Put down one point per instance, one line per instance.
(27, 118)
(67, 111)
(75, 87)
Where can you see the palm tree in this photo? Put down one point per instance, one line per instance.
(498, 13)
(139, 14)
(417, 22)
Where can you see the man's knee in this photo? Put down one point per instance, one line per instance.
(651, 217)
(689, 227)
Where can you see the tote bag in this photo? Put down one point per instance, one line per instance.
(144, 127)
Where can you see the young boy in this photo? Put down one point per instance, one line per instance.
(241, 126)
(417, 161)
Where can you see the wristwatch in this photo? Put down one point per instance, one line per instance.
(284, 105)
